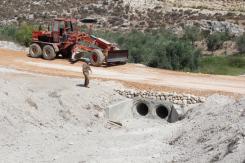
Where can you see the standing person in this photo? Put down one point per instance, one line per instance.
(64, 36)
(86, 69)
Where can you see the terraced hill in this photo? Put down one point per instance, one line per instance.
(128, 14)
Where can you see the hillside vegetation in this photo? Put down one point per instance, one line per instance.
(161, 48)
(124, 15)
(230, 65)
(164, 49)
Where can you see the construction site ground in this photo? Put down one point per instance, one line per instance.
(133, 75)
(46, 115)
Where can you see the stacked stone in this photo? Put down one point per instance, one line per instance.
(179, 99)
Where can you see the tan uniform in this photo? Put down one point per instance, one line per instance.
(86, 69)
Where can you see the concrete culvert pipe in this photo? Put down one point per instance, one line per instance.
(142, 108)
(162, 111)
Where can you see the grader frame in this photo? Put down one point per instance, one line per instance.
(64, 38)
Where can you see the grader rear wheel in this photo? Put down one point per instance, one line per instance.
(48, 52)
(35, 50)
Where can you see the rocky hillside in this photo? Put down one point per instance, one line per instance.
(217, 15)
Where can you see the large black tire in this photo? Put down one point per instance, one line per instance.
(35, 50)
(48, 52)
(97, 57)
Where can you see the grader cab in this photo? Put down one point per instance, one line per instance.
(64, 38)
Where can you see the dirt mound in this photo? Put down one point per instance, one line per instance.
(213, 131)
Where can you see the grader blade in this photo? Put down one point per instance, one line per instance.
(117, 56)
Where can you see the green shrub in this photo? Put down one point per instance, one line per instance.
(241, 43)
(21, 34)
(192, 33)
(158, 58)
(182, 56)
(236, 61)
(157, 48)
(24, 34)
(231, 65)
(215, 41)
(8, 33)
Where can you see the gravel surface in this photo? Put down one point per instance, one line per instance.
(12, 46)
(179, 99)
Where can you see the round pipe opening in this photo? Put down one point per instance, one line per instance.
(162, 111)
(142, 109)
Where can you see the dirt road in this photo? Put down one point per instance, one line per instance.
(133, 75)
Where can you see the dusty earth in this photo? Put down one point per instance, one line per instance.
(132, 75)
(55, 119)
(46, 115)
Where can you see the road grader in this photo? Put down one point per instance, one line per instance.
(64, 38)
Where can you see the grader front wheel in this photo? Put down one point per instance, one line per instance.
(97, 58)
